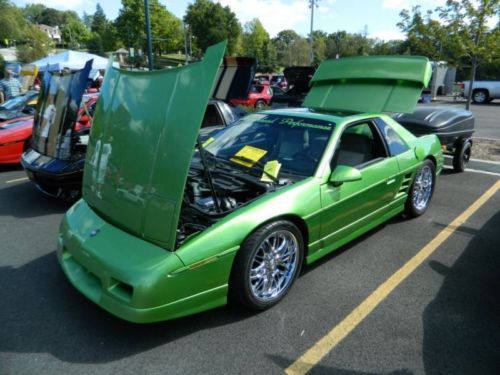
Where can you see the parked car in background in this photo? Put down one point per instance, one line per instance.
(160, 233)
(217, 116)
(258, 97)
(298, 78)
(279, 80)
(19, 106)
(482, 91)
(15, 136)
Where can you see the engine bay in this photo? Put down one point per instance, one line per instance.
(200, 209)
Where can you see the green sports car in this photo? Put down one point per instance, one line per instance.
(167, 227)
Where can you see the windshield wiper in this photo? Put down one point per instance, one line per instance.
(254, 164)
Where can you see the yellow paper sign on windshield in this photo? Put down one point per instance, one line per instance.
(272, 168)
(248, 156)
(207, 142)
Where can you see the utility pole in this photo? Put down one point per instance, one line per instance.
(312, 4)
(185, 43)
(148, 35)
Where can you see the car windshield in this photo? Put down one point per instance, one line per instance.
(285, 144)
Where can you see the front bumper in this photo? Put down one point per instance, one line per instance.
(127, 276)
(55, 177)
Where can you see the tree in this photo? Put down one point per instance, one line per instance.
(256, 44)
(283, 44)
(12, 21)
(75, 34)
(33, 12)
(211, 23)
(468, 34)
(166, 29)
(103, 36)
(424, 35)
(99, 20)
(35, 46)
(319, 46)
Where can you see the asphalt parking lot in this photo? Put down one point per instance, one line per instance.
(439, 317)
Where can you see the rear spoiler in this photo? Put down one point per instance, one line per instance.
(369, 84)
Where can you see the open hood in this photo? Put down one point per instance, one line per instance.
(369, 84)
(234, 78)
(298, 77)
(57, 111)
(141, 144)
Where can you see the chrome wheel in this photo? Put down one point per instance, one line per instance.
(273, 266)
(422, 188)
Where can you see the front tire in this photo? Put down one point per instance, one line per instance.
(266, 265)
(462, 156)
(421, 189)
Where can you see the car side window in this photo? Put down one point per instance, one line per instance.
(360, 145)
(212, 117)
(394, 142)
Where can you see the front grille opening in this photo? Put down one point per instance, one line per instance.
(121, 290)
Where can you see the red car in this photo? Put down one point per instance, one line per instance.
(14, 139)
(259, 96)
(15, 135)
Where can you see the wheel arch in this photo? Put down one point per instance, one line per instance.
(294, 219)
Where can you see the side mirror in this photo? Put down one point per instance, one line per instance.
(343, 173)
(419, 152)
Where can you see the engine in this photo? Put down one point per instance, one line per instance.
(201, 209)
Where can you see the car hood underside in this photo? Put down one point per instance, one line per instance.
(143, 137)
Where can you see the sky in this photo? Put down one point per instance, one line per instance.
(379, 17)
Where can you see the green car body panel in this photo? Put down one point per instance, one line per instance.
(117, 245)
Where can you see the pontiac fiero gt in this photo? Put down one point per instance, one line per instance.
(160, 233)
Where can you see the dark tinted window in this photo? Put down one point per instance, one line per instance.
(212, 117)
(394, 142)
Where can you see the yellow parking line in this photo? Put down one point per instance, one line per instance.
(322, 347)
(16, 180)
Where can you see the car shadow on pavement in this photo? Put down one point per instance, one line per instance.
(323, 369)
(24, 200)
(462, 325)
(42, 313)
(10, 167)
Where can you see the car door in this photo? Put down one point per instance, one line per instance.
(349, 208)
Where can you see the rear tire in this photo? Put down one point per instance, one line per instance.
(260, 104)
(421, 189)
(462, 156)
(480, 96)
(266, 265)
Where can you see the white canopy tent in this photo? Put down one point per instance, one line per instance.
(72, 60)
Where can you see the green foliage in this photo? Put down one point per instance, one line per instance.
(12, 23)
(291, 49)
(75, 34)
(257, 44)
(166, 29)
(103, 36)
(99, 20)
(36, 45)
(211, 23)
